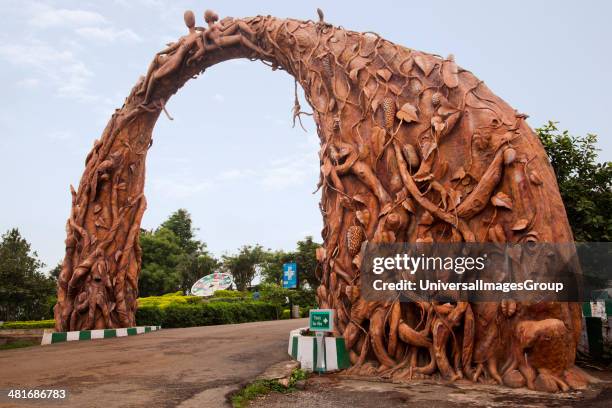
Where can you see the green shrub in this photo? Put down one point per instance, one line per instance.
(205, 314)
(149, 316)
(177, 293)
(278, 295)
(30, 324)
(167, 300)
(306, 299)
(286, 314)
(261, 387)
(224, 293)
(227, 299)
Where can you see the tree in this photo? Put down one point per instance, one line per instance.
(304, 256)
(272, 274)
(306, 259)
(25, 292)
(180, 224)
(585, 184)
(172, 259)
(272, 266)
(242, 266)
(54, 273)
(161, 253)
(156, 280)
(193, 266)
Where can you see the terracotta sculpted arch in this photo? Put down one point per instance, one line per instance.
(413, 148)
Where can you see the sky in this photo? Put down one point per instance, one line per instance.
(231, 156)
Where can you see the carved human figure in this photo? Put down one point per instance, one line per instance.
(170, 59)
(227, 32)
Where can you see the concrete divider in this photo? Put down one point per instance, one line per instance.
(596, 339)
(304, 349)
(60, 337)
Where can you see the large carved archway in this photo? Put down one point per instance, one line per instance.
(413, 148)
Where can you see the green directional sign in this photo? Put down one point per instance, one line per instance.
(322, 320)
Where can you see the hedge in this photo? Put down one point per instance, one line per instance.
(29, 324)
(167, 300)
(227, 299)
(206, 314)
(224, 293)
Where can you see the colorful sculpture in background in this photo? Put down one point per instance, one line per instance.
(207, 285)
(413, 149)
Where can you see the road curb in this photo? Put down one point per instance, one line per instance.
(60, 337)
(304, 349)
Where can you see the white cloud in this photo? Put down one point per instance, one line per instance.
(236, 174)
(108, 34)
(311, 141)
(76, 85)
(218, 97)
(280, 174)
(60, 135)
(28, 83)
(86, 24)
(184, 184)
(141, 3)
(45, 16)
(61, 68)
(179, 187)
(32, 54)
(296, 169)
(174, 160)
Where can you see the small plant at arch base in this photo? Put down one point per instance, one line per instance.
(260, 388)
(414, 148)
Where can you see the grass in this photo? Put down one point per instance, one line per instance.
(18, 344)
(260, 388)
(29, 324)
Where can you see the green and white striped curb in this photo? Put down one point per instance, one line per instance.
(60, 337)
(601, 308)
(596, 338)
(304, 349)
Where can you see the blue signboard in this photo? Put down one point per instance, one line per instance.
(290, 275)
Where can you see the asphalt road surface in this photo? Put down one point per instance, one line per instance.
(193, 367)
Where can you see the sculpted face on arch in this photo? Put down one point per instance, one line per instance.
(413, 149)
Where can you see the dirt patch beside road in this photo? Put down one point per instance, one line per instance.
(332, 391)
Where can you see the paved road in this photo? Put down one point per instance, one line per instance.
(194, 367)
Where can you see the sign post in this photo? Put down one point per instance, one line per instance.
(290, 275)
(290, 280)
(321, 321)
